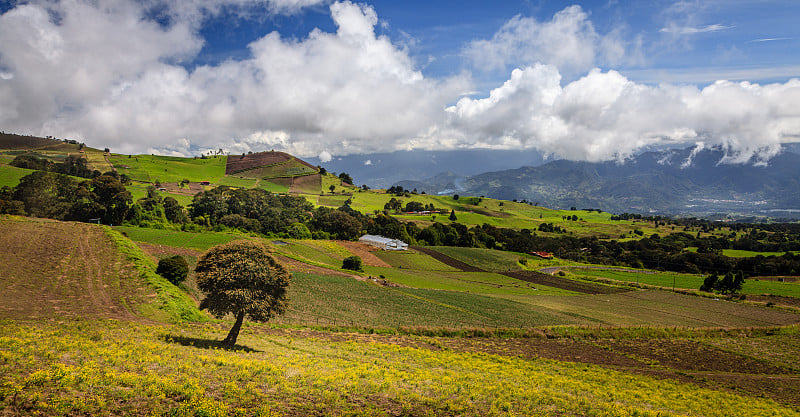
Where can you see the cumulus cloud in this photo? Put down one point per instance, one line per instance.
(604, 116)
(568, 41)
(102, 71)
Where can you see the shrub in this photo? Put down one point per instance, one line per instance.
(174, 269)
(352, 263)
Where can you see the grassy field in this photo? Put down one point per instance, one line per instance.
(10, 176)
(199, 241)
(151, 168)
(688, 281)
(114, 368)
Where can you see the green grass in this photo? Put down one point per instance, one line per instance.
(178, 239)
(345, 301)
(119, 368)
(689, 281)
(150, 168)
(736, 253)
(171, 303)
(661, 308)
(307, 250)
(411, 259)
(486, 259)
(10, 176)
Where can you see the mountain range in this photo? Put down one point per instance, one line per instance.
(671, 182)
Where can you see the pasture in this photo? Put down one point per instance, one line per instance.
(754, 286)
(94, 367)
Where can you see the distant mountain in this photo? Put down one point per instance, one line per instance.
(382, 170)
(667, 182)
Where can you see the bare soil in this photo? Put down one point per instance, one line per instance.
(455, 263)
(306, 184)
(365, 252)
(62, 269)
(246, 162)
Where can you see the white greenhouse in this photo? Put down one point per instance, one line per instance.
(383, 242)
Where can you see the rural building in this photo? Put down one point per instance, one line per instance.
(383, 242)
(545, 255)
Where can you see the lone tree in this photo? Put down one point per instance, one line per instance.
(174, 269)
(242, 278)
(453, 216)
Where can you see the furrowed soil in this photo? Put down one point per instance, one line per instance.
(64, 269)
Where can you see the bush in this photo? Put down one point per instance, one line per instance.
(352, 263)
(174, 269)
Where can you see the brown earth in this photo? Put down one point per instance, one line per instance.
(11, 141)
(563, 283)
(296, 266)
(365, 252)
(245, 162)
(447, 260)
(306, 184)
(56, 269)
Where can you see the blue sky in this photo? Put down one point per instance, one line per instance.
(590, 80)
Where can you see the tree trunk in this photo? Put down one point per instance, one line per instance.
(234, 333)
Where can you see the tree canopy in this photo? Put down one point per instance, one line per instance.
(241, 277)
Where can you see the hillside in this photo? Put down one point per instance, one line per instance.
(58, 270)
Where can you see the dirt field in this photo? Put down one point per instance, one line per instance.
(62, 269)
(365, 252)
(243, 163)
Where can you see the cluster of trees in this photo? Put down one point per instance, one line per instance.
(730, 283)
(411, 207)
(74, 165)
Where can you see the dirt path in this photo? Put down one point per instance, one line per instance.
(296, 266)
(563, 283)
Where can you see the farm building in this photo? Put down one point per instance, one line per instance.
(383, 242)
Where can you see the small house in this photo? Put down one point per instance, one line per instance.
(384, 243)
(205, 182)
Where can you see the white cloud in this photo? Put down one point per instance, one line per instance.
(325, 156)
(689, 30)
(568, 41)
(105, 74)
(368, 162)
(603, 116)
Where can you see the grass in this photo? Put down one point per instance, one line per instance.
(736, 253)
(661, 308)
(689, 281)
(116, 368)
(10, 176)
(178, 239)
(151, 168)
(332, 300)
(411, 259)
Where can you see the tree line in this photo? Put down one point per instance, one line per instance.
(104, 198)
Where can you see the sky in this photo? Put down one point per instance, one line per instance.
(589, 80)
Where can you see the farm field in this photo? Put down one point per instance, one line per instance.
(199, 241)
(350, 346)
(753, 286)
(150, 168)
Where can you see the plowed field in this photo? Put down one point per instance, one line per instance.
(63, 269)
